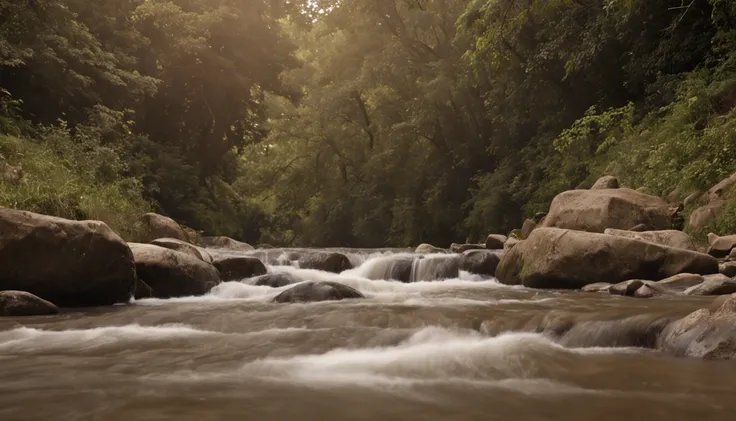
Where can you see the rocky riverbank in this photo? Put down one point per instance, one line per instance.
(607, 239)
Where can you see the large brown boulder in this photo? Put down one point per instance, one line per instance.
(722, 246)
(495, 241)
(717, 284)
(308, 292)
(236, 268)
(670, 238)
(21, 303)
(706, 333)
(325, 261)
(606, 182)
(70, 263)
(159, 226)
(171, 273)
(566, 259)
(715, 200)
(226, 243)
(596, 210)
(480, 262)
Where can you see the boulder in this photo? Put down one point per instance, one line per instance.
(159, 226)
(235, 268)
(21, 303)
(682, 281)
(510, 243)
(692, 199)
(711, 238)
(720, 190)
(171, 273)
(226, 243)
(597, 287)
(606, 182)
(721, 246)
(728, 269)
(308, 292)
(732, 255)
(328, 262)
(671, 238)
(183, 247)
(142, 290)
(704, 214)
(274, 280)
(481, 262)
(646, 291)
(567, 259)
(707, 334)
(495, 241)
(527, 228)
(626, 288)
(428, 249)
(69, 263)
(460, 248)
(717, 284)
(596, 210)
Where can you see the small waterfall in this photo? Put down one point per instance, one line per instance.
(435, 268)
(387, 267)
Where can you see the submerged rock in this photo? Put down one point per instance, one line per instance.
(233, 268)
(567, 259)
(226, 243)
(596, 210)
(21, 303)
(717, 284)
(707, 334)
(317, 291)
(605, 182)
(495, 241)
(597, 287)
(670, 238)
(171, 273)
(328, 262)
(159, 226)
(274, 280)
(626, 288)
(69, 263)
(480, 262)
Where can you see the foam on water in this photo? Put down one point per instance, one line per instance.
(29, 339)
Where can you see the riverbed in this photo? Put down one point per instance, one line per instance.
(460, 349)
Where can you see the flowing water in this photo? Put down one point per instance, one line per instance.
(460, 349)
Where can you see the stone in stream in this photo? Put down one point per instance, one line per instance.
(159, 226)
(566, 259)
(435, 268)
(69, 263)
(495, 241)
(226, 243)
(728, 269)
(274, 280)
(706, 333)
(597, 210)
(670, 238)
(308, 292)
(142, 290)
(597, 287)
(171, 273)
(233, 268)
(732, 255)
(717, 284)
(325, 261)
(605, 182)
(480, 262)
(21, 303)
(722, 246)
(428, 249)
(682, 281)
(184, 247)
(626, 288)
(460, 248)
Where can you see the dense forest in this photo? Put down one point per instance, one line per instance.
(358, 122)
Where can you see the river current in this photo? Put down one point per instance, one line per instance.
(460, 349)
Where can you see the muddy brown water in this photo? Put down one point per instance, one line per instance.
(462, 349)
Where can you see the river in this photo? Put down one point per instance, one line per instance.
(461, 349)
